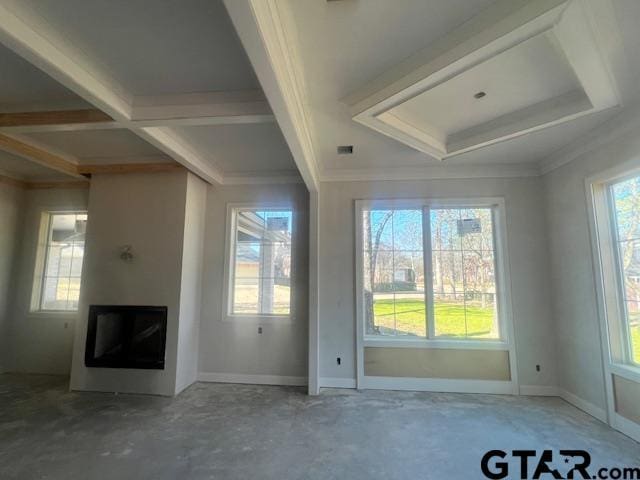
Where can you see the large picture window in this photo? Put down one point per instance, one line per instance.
(429, 272)
(259, 280)
(625, 205)
(59, 264)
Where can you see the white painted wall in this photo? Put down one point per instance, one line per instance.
(235, 348)
(147, 212)
(39, 342)
(191, 282)
(572, 278)
(11, 205)
(526, 237)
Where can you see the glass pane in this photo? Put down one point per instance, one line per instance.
(409, 271)
(449, 315)
(383, 317)
(629, 252)
(633, 312)
(262, 268)
(378, 230)
(447, 272)
(245, 295)
(410, 314)
(444, 229)
(480, 237)
(479, 275)
(407, 230)
(626, 196)
(65, 251)
(481, 316)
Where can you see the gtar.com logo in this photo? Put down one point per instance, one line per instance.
(533, 464)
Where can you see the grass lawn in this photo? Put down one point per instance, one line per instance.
(635, 343)
(450, 318)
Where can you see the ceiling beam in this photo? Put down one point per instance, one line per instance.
(23, 119)
(267, 35)
(33, 152)
(129, 168)
(32, 38)
(194, 109)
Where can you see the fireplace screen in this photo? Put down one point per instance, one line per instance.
(126, 337)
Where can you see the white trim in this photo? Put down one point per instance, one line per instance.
(539, 390)
(444, 171)
(628, 372)
(262, 178)
(314, 293)
(626, 426)
(229, 259)
(335, 382)
(437, 385)
(503, 296)
(435, 343)
(251, 379)
(581, 404)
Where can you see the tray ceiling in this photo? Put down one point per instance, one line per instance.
(487, 82)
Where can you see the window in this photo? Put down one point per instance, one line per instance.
(59, 263)
(429, 272)
(260, 262)
(625, 205)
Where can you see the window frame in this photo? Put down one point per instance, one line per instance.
(503, 284)
(41, 259)
(229, 269)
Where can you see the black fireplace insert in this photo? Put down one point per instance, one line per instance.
(122, 336)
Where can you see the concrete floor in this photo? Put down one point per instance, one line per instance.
(252, 432)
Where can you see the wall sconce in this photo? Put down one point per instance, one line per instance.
(126, 255)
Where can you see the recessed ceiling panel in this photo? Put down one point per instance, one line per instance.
(87, 145)
(530, 73)
(23, 87)
(536, 65)
(249, 148)
(23, 169)
(154, 47)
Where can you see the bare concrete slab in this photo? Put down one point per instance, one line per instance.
(222, 431)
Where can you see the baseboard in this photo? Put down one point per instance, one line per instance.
(251, 379)
(626, 426)
(335, 382)
(539, 390)
(439, 385)
(583, 405)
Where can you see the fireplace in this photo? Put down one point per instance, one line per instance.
(121, 336)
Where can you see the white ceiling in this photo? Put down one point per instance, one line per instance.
(522, 76)
(165, 51)
(345, 45)
(22, 169)
(101, 146)
(154, 47)
(240, 149)
(23, 87)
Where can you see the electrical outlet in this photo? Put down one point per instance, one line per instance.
(537, 368)
(338, 360)
(259, 330)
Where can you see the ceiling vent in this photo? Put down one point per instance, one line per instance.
(345, 149)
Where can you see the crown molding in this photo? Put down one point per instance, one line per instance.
(624, 122)
(432, 172)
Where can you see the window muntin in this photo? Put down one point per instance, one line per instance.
(63, 256)
(394, 272)
(625, 200)
(457, 300)
(463, 266)
(260, 273)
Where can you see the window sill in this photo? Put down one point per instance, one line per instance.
(56, 313)
(275, 319)
(436, 343)
(629, 372)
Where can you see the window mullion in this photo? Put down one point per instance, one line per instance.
(428, 271)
